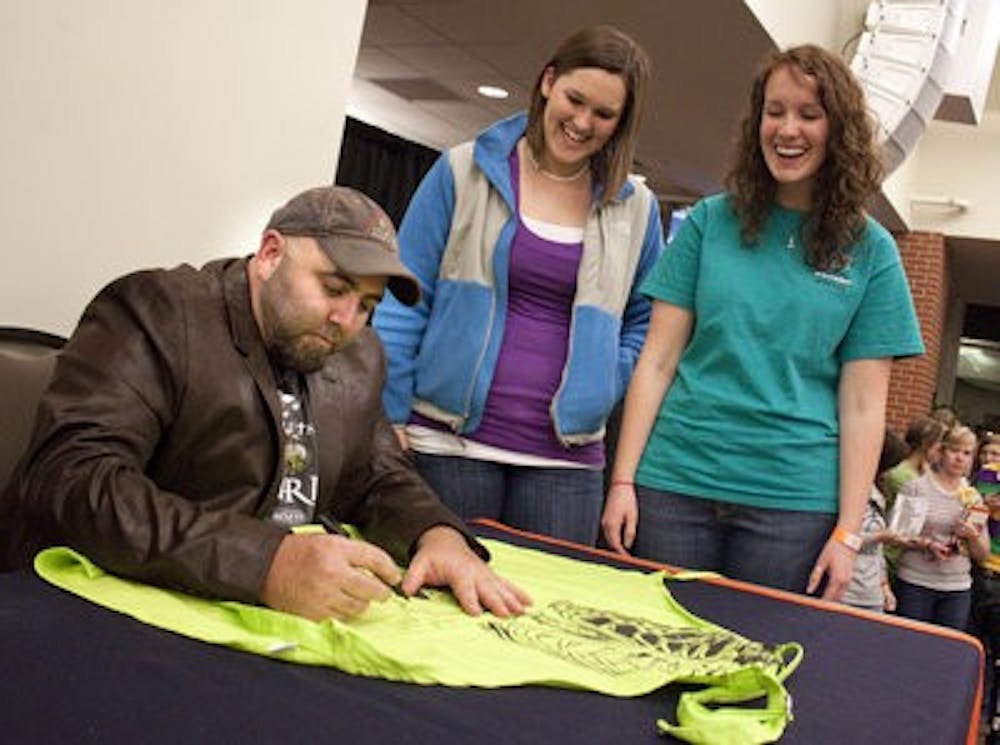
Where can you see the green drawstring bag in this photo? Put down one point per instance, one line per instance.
(719, 725)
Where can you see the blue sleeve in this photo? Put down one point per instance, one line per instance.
(423, 235)
(635, 319)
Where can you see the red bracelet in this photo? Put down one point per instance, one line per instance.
(620, 482)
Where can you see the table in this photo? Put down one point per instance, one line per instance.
(76, 672)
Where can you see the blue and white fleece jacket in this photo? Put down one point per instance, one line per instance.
(455, 237)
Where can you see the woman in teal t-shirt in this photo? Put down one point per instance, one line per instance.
(754, 419)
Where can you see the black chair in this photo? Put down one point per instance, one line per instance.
(29, 341)
(27, 361)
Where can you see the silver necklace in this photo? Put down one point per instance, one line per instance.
(554, 176)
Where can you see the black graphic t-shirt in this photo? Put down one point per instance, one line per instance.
(300, 476)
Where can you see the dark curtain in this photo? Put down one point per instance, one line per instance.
(385, 167)
(982, 322)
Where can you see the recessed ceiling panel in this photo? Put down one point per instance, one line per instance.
(417, 89)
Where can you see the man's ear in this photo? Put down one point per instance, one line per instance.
(271, 251)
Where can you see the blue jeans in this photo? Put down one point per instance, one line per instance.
(561, 502)
(943, 607)
(777, 548)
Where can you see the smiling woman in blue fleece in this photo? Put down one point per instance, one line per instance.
(529, 244)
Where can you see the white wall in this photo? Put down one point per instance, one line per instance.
(829, 23)
(150, 133)
(950, 160)
(898, 186)
(960, 161)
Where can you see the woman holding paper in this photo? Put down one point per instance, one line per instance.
(934, 575)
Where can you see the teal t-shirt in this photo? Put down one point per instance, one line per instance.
(751, 416)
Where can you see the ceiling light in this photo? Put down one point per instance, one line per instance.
(492, 91)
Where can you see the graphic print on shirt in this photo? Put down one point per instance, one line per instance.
(300, 478)
(638, 640)
(618, 644)
(872, 522)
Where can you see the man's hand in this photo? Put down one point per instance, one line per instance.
(324, 576)
(444, 558)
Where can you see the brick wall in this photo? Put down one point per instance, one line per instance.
(911, 389)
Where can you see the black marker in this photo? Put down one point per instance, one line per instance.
(332, 526)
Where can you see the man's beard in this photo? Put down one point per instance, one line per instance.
(304, 353)
(293, 341)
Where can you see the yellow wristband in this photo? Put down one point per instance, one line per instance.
(849, 539)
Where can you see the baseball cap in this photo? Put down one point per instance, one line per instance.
(354, 232)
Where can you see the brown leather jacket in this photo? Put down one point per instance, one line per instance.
(156, 448)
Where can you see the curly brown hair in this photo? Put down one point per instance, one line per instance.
(850, 173)
(610, 49)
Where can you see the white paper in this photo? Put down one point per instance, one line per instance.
(908, 515)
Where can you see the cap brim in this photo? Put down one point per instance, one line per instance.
(366, 258)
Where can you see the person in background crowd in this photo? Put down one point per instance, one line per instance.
(778, 309)
(197, 417)
(989, 451)
(923, 438)
(870, 588)
(986, 480)
(933, 576)
(986, 575)
(529, 244)
(946, 415)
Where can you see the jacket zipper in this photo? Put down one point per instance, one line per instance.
(569, 346)
(479, 364)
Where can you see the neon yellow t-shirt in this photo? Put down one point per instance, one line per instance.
(592, 626)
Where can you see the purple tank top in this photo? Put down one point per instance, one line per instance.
(541, 289)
